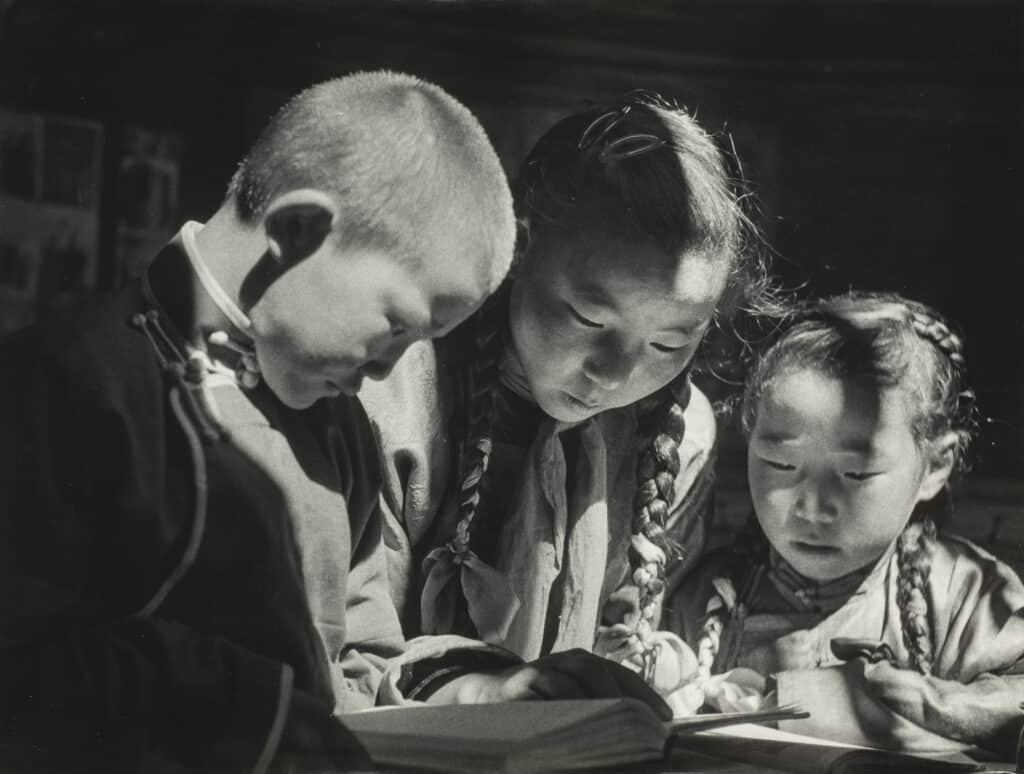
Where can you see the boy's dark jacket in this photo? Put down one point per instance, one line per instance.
(133, 637)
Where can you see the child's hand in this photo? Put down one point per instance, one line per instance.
(572, 674)
(675, 663)
(980, 712)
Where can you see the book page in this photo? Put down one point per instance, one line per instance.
(801, 754)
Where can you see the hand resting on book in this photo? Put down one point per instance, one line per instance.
(571, 674)
(987, 708)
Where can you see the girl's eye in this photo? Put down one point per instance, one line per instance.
(581, 319)
(855, 476)
(397, 328)
(778, 465)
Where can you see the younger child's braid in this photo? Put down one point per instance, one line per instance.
(914, 560)
(657, 468)
(749, 554)
(916, 543)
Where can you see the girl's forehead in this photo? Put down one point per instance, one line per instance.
(630, 271)
(847, 413)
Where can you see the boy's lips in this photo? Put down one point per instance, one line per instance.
(346, 387)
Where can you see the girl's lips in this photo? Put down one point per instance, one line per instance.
(580, 403)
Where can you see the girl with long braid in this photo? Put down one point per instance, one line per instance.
(856, 418)
(548, 464)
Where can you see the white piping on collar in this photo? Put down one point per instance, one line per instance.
(218, 295)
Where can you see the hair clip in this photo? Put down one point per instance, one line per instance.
(598, 129)
(631, 145)
(622, 147)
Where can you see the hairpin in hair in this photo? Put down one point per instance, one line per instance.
(624, 147)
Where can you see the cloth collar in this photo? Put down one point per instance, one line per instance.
(168, 285)
(511, 373)
(809, 595)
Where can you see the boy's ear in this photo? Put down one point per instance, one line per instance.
(296, 224)
(522, 243)
(939, 466)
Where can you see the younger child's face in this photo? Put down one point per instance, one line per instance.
(599, 324)
(349, 312)
(834, 471)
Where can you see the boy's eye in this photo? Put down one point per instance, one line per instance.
(856, 476)
(581, 319)
(398, 328)
(778, 465)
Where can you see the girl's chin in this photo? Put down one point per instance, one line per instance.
(565, 407)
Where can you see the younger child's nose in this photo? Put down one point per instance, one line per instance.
(813, 504)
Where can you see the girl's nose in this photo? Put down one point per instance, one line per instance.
(609, 366)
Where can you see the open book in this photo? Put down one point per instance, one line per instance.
(529, 735)
(785, 751)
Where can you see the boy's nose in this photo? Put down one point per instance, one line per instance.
(383, 363)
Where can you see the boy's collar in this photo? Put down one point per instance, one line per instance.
(186, 239)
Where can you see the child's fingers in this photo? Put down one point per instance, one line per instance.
(599, 677)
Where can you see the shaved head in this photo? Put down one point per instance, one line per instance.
(410, 169)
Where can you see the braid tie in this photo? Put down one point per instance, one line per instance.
(939, 334)
(914, 558)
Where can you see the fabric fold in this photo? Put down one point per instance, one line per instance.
(489, 597)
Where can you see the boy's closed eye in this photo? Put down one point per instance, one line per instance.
(777, 465)
(581, 318)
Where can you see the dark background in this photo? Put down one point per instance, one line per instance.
(883, 139)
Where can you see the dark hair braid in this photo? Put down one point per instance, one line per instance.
(478, 394)
(914, 558)
(657, 468)
(749, 554)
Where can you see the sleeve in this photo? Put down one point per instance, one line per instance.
(377, 666)
(83, 683)
(979, 612)
(409, 414)
(374, 636)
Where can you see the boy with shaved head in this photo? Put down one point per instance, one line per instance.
(191, 557)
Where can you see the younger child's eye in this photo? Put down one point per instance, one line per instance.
(397, 328)
(581, 319)
(778, 465)
(857, 476)
(666, 348)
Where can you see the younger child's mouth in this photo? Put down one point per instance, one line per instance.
(814, 548)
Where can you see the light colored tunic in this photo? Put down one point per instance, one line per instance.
(540, 526)
(976, 612)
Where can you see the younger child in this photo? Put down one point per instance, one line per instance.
(543, 463)
(856, 418)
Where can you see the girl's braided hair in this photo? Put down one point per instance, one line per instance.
(889, 342)
(640, 169)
